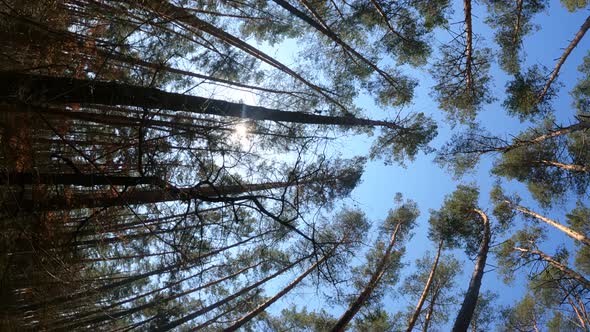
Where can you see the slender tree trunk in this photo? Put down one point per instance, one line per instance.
(202, 311)
(430, 311)
(180, 14)
(470, 301)
(566, 270)
(91, 45)
(137, 297)
(84, 180)
(84, 294)
(564, 57)
(323, 28)
(567, 167)
(584, 124)
(386, 19)
(37, 88)
(375, 278)
(150, 304)
(517, 23)
(143, 196)
(468, 45)
(568, 231)
(426, 289)
(261, 308)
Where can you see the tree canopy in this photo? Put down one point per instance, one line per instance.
(294, 165)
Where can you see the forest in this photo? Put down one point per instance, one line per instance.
(294, 165)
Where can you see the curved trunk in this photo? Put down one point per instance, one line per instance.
(568, 231)
(364, 295)
(469, 302)
(426, 289)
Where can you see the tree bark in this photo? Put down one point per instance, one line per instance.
(375, 278)
(84, 294)
(468, 45)
(323, 28)
(465, 314)
(581, 125)
(517, 24)
(430, 311)
(583, 29)
(150, 304)
(568, 231)
(18, 87)
(180, 14)
(245, 319)
(142, 196)
(84, 180)
(202, 311)
(566, 270)
(426, 289)
(567, 167)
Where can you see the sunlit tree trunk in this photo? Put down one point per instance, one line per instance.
(261, 308)
(465, 314)
(366, 293)
(426, 289)
(68, 90)
(568, 231)
(579, 35)
(561, 267)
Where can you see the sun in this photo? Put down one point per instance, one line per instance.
(240, 134)
(241, 130)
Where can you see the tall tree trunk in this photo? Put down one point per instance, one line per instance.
(202, 311)
(568, 231)
(430, 311)
(566, 270)
(129, 280)
(261, 308)
(426, 289)
(567, 167)
(165, 8)
(151, 304)
(517, 23)
(84, 180)
(324, 28)
(143, 196)
(583, 29)
(386, 20)
(18, 87)
(468, 46)
(465, 314)
(375, 278)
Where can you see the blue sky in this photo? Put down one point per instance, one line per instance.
(427, 184)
